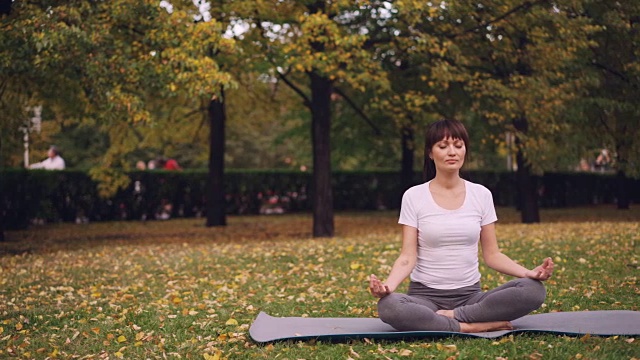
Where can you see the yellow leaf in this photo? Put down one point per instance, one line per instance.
(119, 355)
(405, 352)
(450, 347)
(232, 322)
(19, 326)
(215, 356)
(441, 347)
(122, 339)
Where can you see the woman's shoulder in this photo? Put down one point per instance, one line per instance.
(417, 188)
(416, 192)
(478, 188)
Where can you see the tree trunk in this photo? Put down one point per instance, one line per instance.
(2, 238)
(322, 196)
(2, 201)
(526, 183)
(5, 7)
(622, 195)
(622, 145)
(408, 157)
(527, 192)
(216, 215)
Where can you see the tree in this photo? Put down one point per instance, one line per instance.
(314, 38)
(521, 59)
(216, 215)
(610, 111)
(103, 63)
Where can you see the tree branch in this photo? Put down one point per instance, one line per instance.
(305, 99)
(603, 122)
(611, 71)
(359, 111)
(203, 110)
(524, 6)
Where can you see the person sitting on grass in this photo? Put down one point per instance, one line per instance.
(443, 220)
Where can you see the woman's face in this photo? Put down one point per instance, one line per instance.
(448, 154)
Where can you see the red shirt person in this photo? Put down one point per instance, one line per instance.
(172, 164)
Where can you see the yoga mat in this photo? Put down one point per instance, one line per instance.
(266, 328)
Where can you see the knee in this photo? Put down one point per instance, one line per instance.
(388, 308)
(536, 292)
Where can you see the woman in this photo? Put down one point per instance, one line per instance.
(443, 221)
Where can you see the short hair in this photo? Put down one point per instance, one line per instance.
(54, 149)
(437, 131)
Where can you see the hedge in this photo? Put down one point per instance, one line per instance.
(52, 196)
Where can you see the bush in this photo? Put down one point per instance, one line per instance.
(66, 196)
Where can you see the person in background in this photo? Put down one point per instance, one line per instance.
(603, 160)
(53, 162)
(171, 164)
(443, 221)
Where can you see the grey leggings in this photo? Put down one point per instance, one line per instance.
(416, 310)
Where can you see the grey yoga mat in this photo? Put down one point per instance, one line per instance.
(266, 328)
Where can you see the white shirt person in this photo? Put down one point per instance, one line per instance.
(444, 221)
(53, 162)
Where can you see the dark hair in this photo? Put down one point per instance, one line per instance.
(437, 131)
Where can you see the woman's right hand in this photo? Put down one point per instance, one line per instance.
(377, 288)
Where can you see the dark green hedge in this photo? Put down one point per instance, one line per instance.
(72, 196)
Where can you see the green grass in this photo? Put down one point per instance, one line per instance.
(179, 290)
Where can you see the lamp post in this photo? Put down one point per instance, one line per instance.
(33, 124)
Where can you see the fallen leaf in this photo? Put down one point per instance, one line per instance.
(353, 353)
(405, 352)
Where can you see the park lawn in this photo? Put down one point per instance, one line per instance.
(178, 290)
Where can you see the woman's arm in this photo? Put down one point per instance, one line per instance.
(402, 267)
(504, 264)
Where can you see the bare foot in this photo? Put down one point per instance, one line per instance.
(447, 313)
(485, 326)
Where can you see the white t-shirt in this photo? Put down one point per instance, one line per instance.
(447, 239)
(55, 163)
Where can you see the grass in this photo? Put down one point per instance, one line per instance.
(179, 290)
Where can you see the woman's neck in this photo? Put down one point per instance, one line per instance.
(447, 181)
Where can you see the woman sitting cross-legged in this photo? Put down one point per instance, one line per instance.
(442, 222)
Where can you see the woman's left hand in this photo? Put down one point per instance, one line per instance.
(377, 288)
(542, 272)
